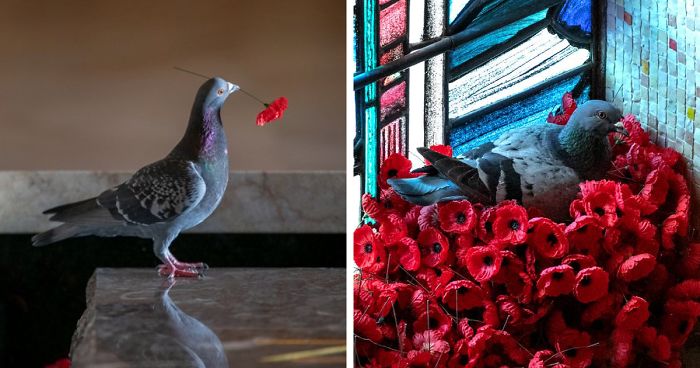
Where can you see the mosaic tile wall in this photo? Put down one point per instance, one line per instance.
(653, 70)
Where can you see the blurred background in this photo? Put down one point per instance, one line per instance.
(91, 85)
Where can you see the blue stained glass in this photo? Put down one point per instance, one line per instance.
(371, 164)
(528, 111)
(370, 50)
(455, 7)
(576, 14)
(472, 49)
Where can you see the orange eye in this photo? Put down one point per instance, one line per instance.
(220, 92)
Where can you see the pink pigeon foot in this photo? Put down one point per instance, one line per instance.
(171, 270)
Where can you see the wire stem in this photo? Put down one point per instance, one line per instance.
(207, 77)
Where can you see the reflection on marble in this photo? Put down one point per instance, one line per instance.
(233, 317)
(255, 202)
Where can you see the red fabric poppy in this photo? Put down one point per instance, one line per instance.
(655, 189)
(578, 261)
(591, 284)
(465, 329)
(636, 133)
(409, 254)
(556, 281)
(622, 347)
(487, 340)
(543, 359)
(636, 267)
(456, 216)
(577, 209)
(673, 226)
(603, 309)
(462, 244)
(568, 106)
(369, 251)
(428, 217)
(460, 354)
(659, 346)
(690, 261)
(432, 318)
(432, 342)
(61, 363)
(599, 201)
(687, 289)
(435, 279)
(462, 294)
(434, 247)
(366, 327)
(574, 348)
(483, 262)
(547, 237)
(585, 235)
(395, 166)
(273, 111)
(392, 229)
(388, 203)
(440, 148)
(633, 315)
(510, 223)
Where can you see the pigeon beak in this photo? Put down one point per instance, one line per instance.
(619, 128)
(232, 87)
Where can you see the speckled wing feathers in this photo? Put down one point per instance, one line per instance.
(157, 193)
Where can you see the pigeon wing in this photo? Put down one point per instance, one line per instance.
(464, 175)
(157, 193)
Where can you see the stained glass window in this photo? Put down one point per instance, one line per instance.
(490, 66)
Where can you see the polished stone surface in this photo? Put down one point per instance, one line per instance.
(275, 317)
(255, 202)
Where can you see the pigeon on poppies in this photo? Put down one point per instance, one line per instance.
(164, 198)
(539, 166)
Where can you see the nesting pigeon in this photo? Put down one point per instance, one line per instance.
(164, 198)
(539, 166)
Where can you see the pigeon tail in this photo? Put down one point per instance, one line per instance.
(64, 212)
(56, 234)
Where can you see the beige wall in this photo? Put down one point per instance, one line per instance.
(90, 84)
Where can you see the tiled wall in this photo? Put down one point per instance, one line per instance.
(652, 58)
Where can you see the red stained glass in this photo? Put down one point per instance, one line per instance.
(392, 22)
(391, 55)
(393, 139)
(393, 100)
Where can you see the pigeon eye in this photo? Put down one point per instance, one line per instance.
(220, 92)
(602, 115)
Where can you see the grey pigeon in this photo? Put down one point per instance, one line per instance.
(164, 198)
(539, 166)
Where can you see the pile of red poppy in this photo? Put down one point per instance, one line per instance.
(459, 285)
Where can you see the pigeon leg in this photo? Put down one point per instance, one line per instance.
(186, 265)
(169, 268)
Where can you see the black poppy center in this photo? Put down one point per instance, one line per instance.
(488, 260)
(571, 353)
(488, 226)
(557, 276)
(463, 360)
(682, 326)
(388, 205)
(514, 224)
(462, 290)
(582, 229)
(433, 324)
(368, 248)
(575, 265)
(552, 239)
(437, 248)
(618, 212)
(392, 173)
(438, 272)
(599, 211)
(461, 218)
(379, 259)
(586, 280)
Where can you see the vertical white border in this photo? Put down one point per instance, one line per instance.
(352, 191)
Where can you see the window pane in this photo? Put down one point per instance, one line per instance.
(455, 7)
(473, 48)
(528, 111)
(393, 139)
(393, 100)
(539, 59)
(392, 23)
(576, 14)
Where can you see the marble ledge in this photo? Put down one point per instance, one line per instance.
(255, 202)
(237, 317)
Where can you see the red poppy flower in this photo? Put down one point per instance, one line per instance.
(659, 346)
(434, 247)
(591, 284)
(440, 148)
(641, 236)
(395, 166)
(622, 347)
(465, 329)
(435, 279)
(408, 253)
(377, 297)
(388, 203)
(690, 261)
(462, 294)
(510, 223)
(674, 225)
(392, 229)
(556, 281)
(456, 216)
(636, 267)
(636, 133)
(487, 340)
(460, 354)
(369, 250)
(577, 209)
(428, 217)
(61, 363)
(273, 111)
(483, 262)
(432, 318)
(430, 341)
(578, 261)
(542, 359)
(585, 235)
(603, 309)
(599, 201)
(366, 326)
(568, 106)
(462, 244)
(574, 348)
(687, 289)
(547, 237)
(633, 315)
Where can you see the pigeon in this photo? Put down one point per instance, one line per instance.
(163, 198)
(539, 166)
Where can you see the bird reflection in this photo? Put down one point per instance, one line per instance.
(158, 334)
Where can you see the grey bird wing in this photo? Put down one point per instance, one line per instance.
(157, 193)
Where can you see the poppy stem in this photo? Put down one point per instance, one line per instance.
(207, 77)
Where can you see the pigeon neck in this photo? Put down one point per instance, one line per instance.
(587, 153)
(204, 137)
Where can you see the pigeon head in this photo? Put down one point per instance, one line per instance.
(213, 93)
(597, 117)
